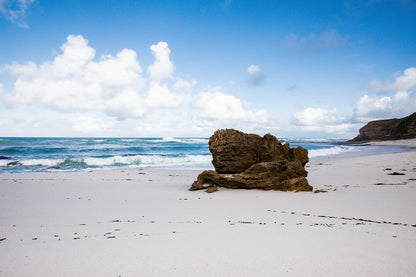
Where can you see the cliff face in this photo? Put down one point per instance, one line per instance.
(388, 129)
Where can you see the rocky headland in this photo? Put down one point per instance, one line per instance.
(252, 162)
(387, 129)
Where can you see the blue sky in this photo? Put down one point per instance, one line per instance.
(187, 68)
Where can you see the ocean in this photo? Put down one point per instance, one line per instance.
(19, 155)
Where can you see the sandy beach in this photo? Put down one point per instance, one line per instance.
(223, 138)
(145, 222)
(401, 142)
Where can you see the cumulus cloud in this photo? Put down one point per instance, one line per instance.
(316, 116)
(313, 43)
(16, 10)
(402, 82)
(183, 86)
(372, 107)
(161, 96)
(379, 107)
(162, 68)
(217, 106)
(73, 81)
(317, 119)
(87, 124)
(112, 87)
(256, 74)
(386, 105)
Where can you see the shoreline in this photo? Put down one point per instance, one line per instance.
(372, 148)
(129, 222)
(411, 143)
(368, 149)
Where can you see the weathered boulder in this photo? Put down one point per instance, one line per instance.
(388, 129)
(279, 175)
(234, 151)
(252, 162)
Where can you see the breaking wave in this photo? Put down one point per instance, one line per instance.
(335, 150)
(110, 162)
(74, 154)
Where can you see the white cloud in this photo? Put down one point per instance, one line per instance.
(87, 124)
(313, 43)
(323, 120)
(316, 116)
(161, 96)
(368, 107)
(126, 104)
(223, 107)
(73, 81)
(256, 74)
(406, 81)
(375, 107)
(162, 68)
(384, 105)
(75, 84)
(172, 122)
(76, 53)
(401, 96)
(183, 86)
(15, 11)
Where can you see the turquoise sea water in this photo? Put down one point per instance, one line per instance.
(75, 154)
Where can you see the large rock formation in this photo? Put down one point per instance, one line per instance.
(250, 161)
(388, 129)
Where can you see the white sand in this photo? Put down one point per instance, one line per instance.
(401, 142)
(146, 223)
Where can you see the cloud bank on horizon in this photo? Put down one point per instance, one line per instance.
(77, 92)
(116, 87)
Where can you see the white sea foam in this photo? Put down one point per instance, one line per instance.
(33, 162)
(130, 161)
(166, 161)
(330, 151)
(310, 140)
(168, 139)
(149, 160)
(111, 161)
(4, 162)
(195, 140)
(185, 140)
(42, 162)
(128, 140)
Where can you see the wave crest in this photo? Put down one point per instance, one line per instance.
(330, 151)
(116, 161)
